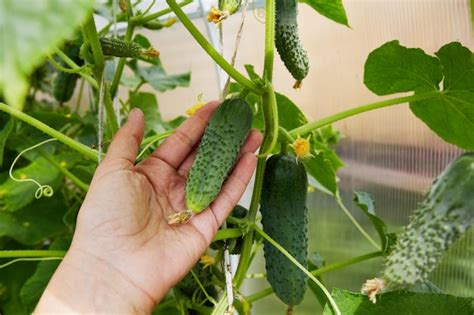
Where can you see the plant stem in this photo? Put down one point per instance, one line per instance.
(270, 115)
(81, 148)
(335, 266)
(74, 66)
(269, 40)
(356, 224)
(211, 51)
(227, 233)
(361, 109)
(160, 13)
(31, 253)
(301, 267)
(73, 178)
(150, 141)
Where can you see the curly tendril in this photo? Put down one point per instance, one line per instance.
(43, 190)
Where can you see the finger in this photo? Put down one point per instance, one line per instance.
(127, 140)
(253, 141)
(177, 147)
(208, 221)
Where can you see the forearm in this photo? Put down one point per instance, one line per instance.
(84, 284)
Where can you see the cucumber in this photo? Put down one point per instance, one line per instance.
(287, 40)
(188, 285)
(230, 6)
(65, 83)
(285, 218)
(123, 49)
(446, 212)
(216, 155)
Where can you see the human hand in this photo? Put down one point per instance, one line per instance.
(124, 256)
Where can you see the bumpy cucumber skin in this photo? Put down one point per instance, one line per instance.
(65, 83)
(120, 48)
(285, 218)
(287, 40)
(230, 6)
(446, 212)
(224, 135)
(188, 285)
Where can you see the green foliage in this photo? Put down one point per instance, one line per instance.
(284, 219)
(33, 288)
(393, 68)
(148, 104)
(15, 195)
(220, 145)
(332, 9)
(31, 30)
(4, 133)
(365, 202)
(443, 216)
(395, 302)
(36, 222)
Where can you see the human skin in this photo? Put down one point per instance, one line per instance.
(124, 256)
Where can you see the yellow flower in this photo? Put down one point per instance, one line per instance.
(216, 16)
(302, 147)
(207, 260)
(193, 109)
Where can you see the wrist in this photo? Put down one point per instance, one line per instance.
(83, 283)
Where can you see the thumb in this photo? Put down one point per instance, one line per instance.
(127, 140)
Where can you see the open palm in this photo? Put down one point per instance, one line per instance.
(122, 222)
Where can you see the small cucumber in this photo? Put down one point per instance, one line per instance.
(65, 83)
(224, 135)
(230, 6)
(446, 212)
(287, 40)
(284, 219)
(123, 49)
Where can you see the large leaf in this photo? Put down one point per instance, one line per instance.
(11, 281)
(451, 114)
(321, 169)
(332, 9)
(393, 68)
(156, 76)
(149, 105)
(30, 31)
(15, 195)
(401, 302)
(365, 202)
(33, 288)
(34, 223)
(4, 133)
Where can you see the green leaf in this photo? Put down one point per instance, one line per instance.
(156, 76)
(4, 133)
(332, 9)
(33, 288)
(30, 31)
(149, 105)
(15, 195)
(316, 261)
(401, 302)
(392, 68)
(11, 281)
(451, 114)
(34, 223)
(365, 202)
(321, 169)
(253, 75)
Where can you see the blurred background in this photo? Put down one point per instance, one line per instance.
(388, 153)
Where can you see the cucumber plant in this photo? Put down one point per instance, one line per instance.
(294, 151)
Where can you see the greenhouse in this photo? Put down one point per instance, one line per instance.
(237, 157)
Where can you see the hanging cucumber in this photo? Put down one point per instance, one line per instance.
(65, 83)
(446, 212)
(216, 155)
(123, 49)
(285, 218)
(287, 40)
